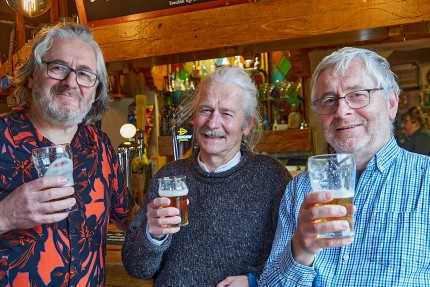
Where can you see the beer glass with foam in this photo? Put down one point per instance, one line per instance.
(175, 188)
(335, 173)
(54, 160)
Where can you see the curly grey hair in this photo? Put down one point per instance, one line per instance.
(41, 44)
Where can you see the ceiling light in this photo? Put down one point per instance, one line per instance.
(29, 8)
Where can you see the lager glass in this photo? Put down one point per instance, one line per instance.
(175, 188)
(335, 173)
(54, 160)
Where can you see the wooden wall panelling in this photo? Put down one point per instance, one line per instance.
(165, 145)
(285, 141)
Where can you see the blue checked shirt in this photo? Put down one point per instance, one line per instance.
(392, 226)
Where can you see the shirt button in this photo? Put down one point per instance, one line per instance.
(346, 257)
(74, 267)
(72, 231)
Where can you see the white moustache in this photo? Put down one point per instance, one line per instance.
(212, 134)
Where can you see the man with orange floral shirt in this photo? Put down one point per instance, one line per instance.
(62, 89)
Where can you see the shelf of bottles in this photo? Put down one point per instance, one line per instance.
(282, 105)
(179, 84)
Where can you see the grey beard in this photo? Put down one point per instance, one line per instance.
(380, 128)
(51, 113)
(68, 118)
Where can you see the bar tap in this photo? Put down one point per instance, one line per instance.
(183, 141)
(134, 145)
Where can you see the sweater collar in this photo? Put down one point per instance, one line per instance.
(244, 159)
(230, 164)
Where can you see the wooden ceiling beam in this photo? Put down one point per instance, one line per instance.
(59, 8)
(20, 31)
(54, 12)
(63, 8)
(268, 23)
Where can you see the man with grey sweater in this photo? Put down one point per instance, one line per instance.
(234, 196)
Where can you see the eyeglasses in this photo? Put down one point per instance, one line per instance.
(354, 100)
(61, 72)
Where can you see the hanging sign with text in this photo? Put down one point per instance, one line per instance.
(99, 12)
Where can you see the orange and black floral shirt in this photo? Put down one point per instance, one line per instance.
(72, 251)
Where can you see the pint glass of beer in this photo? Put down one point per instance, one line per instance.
(175, 188)
(335, 173)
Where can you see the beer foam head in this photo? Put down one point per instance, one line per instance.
(170, 193)
(342, 193)
(172, 186)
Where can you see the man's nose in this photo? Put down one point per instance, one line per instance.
(342, 108)
(214, 120)
(71, 80)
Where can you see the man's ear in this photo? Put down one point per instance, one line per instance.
(30, 81)
(393, 105)
(249, 125)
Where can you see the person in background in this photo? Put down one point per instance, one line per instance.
(234, 196)
(414, 124)
(62, 89)
(356, 96)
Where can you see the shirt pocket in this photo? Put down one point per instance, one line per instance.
(399, 239)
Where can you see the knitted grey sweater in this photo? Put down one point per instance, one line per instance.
(232, 222)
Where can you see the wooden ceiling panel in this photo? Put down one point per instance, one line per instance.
(268, 25)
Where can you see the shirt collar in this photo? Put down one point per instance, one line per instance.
(383, 158)
(230, 164)
(22, 130)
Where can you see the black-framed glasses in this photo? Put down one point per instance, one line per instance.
(355, 100)
(61, 72)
